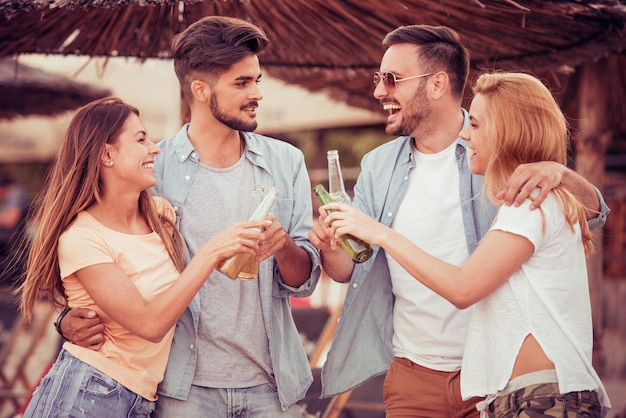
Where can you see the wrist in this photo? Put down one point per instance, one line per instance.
(57, 323)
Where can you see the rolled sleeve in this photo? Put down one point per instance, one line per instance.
(600, 219)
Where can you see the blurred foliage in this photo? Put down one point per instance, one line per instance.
(351, 142)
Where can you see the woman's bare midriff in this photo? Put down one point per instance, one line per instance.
(531, 358)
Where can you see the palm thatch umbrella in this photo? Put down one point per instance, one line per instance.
(327, 45)
(26, 91)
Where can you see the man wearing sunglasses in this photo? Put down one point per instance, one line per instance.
(420, 184)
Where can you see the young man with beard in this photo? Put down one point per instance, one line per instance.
(236, 350)
(420, 185)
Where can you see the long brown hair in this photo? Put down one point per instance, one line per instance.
(72, 186)
(524, 124)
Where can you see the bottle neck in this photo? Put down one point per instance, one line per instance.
(336, 186)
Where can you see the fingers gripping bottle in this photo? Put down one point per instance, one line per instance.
(245, 266)
(358, 250)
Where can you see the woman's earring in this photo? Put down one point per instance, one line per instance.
(111, 163)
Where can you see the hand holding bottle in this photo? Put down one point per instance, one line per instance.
(344, 219)
(238, 238)
(246, 266)
(358, 249)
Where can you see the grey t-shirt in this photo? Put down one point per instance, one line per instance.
(232, 344)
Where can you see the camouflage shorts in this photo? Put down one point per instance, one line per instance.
(544, 400)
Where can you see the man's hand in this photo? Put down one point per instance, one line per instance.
(320, 237)
(335, 260)
(83, 327)
(276, 239)
(544, 174)
(293, 261)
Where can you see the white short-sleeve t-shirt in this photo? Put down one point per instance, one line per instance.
(547, 297)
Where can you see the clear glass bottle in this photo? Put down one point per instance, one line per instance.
(358, 250)
(336, 187)
(246, 266)
(250, 269)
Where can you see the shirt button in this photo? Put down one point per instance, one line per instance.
(175, 208)
(389, 214)
(187, 177)
(193, 154)
(354, 285)
(406, 178)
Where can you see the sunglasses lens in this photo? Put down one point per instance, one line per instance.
(389, 80)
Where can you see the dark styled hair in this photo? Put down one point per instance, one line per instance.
(211, 45)
(440, 49)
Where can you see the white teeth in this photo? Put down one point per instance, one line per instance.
(391, 106)
(148, 165)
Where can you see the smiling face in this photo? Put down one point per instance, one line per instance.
(235, 96)
(407, 102)
(133, 155)
(475, 133)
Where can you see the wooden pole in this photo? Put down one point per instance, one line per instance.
(592, 138)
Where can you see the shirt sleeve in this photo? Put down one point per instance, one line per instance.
(80, 247)
(604, 211)
(522, 221)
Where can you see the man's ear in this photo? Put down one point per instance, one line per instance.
(441, 83)
(200, 90)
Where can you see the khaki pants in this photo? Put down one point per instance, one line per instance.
(411, 390)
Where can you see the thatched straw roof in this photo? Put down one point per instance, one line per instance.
(29, 91)
(328, 45)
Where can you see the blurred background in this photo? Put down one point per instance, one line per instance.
(57, 55)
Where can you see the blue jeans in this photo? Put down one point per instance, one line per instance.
(253, 402)
(75, 389)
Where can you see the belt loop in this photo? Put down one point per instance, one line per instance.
(514, 400)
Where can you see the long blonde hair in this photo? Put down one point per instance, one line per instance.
(72, 186)
(524, 124)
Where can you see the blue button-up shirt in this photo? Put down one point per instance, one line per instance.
(362, 345)
(275, 163)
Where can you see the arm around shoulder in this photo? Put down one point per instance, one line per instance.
(589, 195)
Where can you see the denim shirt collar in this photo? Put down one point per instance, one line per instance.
(185, 150)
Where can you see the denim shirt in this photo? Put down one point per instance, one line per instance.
(362, 345)
(275, 163)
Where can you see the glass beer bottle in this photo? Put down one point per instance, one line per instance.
(336, 188)
(250, 269)
(358, 250)
(246, 266)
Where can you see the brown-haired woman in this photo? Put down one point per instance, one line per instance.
(105, 243)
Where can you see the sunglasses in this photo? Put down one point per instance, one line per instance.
(390, 79)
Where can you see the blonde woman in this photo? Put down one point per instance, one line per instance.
(104, 243)
(529, 343)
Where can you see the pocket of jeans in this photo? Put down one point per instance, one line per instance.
(100, 384)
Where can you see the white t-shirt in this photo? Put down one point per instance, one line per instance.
(428, 329)
(547, 297)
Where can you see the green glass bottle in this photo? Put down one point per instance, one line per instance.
(358, 250)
